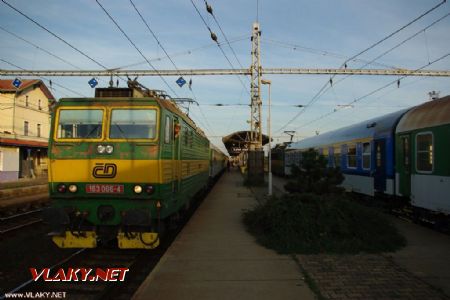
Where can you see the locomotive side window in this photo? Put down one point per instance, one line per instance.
(366, 156)
(167, 130)
(133, 124)
(351, 156)
(80, 124)
(424, 152)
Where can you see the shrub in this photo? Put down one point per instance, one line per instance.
(309, 223)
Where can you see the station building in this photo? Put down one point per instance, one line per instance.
(24, 128)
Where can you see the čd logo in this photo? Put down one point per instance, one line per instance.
(104, 170)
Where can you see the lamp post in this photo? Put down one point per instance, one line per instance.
(268, 82)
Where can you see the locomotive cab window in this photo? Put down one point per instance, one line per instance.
(133, 124)
(424, 152)
(366, 156)
(79, 124)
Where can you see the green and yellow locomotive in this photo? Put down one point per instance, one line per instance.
(120, 164)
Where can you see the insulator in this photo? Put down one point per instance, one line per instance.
(331, 81)
(213, 36)
(398, 83)
(209, 8)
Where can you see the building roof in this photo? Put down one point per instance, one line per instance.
(7, 86)
(429, 114)
(237, 141)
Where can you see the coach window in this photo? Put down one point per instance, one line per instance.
(167, 130)
(424, 152)
(337, 157)
(366, 156)
(405, 145)
(351, 156)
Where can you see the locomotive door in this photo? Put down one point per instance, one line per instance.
(380, 166)
(176, 162)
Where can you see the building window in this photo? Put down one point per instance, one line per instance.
(351, 156)
(26, 101)
(39, 104)
(366, 156)
(424, 152)
(167, 132)
(25, 128)
(38, 130)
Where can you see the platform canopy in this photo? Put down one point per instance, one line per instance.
(238, 142)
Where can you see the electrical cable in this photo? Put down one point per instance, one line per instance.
(40, 48)
(55, 35)
(168, 56)
(214, 38)
(372, 92)
(134, 45)
(44, 78)
(318, 94)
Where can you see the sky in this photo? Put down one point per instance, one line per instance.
(294, 33)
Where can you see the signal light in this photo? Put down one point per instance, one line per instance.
(62, 188)
(149, 189)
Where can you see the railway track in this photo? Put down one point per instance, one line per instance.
(20, 220)
(139, 262)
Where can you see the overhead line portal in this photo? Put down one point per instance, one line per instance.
(214, 72)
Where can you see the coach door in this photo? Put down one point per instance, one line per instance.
(380, 166)
(404, 165)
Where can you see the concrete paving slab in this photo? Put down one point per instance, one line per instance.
(427, 254)
(215, 258)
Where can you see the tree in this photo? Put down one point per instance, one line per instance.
(314, 176)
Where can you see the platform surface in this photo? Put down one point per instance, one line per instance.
(215, 258)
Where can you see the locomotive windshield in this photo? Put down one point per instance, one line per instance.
(80, 123)
(133, 124)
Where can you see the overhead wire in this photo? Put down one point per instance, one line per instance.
(40, 48)
(134, 45)
(344, 64)
(320, 52)
(214, 38)
(372, 92)
(392, 49)
(55, 35)
(224, 35)
(186, 52)
(51, 82)
(168, 56)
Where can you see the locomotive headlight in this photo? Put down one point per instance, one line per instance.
(109, 149)
(73, 188)
(101, 149)
(138, 189)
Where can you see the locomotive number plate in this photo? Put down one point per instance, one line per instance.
(104, 188)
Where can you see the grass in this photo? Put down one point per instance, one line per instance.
(311, 224)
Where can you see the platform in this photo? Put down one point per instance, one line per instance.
(215, 258)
